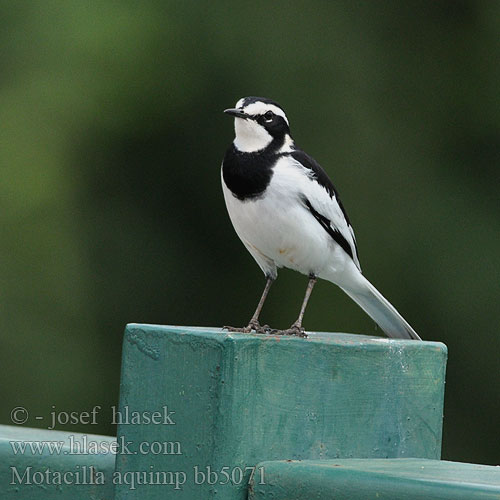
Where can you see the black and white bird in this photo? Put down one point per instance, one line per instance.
(287, 213)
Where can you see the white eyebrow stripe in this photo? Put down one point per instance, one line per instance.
(259, 108)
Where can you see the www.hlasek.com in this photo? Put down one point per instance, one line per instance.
(86, 475)
(83, 446)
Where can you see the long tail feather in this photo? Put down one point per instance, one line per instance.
(380, 309)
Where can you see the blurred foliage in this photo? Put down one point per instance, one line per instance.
(111, 209)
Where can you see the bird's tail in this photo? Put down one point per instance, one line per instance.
(379, 309)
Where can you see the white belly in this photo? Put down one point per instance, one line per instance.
(279, 231)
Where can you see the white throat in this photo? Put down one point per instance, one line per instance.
(288, 145)
(250, 136)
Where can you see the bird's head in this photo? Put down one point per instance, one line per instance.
(260, 123)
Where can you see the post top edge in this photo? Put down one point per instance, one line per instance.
(333, 338)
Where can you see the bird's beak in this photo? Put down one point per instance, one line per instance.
(236, 112)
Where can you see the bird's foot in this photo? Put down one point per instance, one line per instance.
(235, 329)
(265, 329)
(295, 330)
(253, 325)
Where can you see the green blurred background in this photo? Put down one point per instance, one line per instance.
(111, 210)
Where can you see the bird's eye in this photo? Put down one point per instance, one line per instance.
(268, 116)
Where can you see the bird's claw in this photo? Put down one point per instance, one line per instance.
(295, 330)
(264, 329)
(235, 329)
(252, 326)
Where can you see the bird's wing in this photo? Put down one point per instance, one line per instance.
(321, 198)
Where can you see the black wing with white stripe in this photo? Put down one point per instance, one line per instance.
(346, 241)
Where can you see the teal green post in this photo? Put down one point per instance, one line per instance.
(368, 479)
(200, 406)
(38, 464)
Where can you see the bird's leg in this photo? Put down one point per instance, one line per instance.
(254, 322)
(296, 328)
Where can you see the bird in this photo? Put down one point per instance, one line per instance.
(287, 212)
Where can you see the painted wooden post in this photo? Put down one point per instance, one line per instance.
(223, 402)
(210, 414)
(39, 464)
(383, 479)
